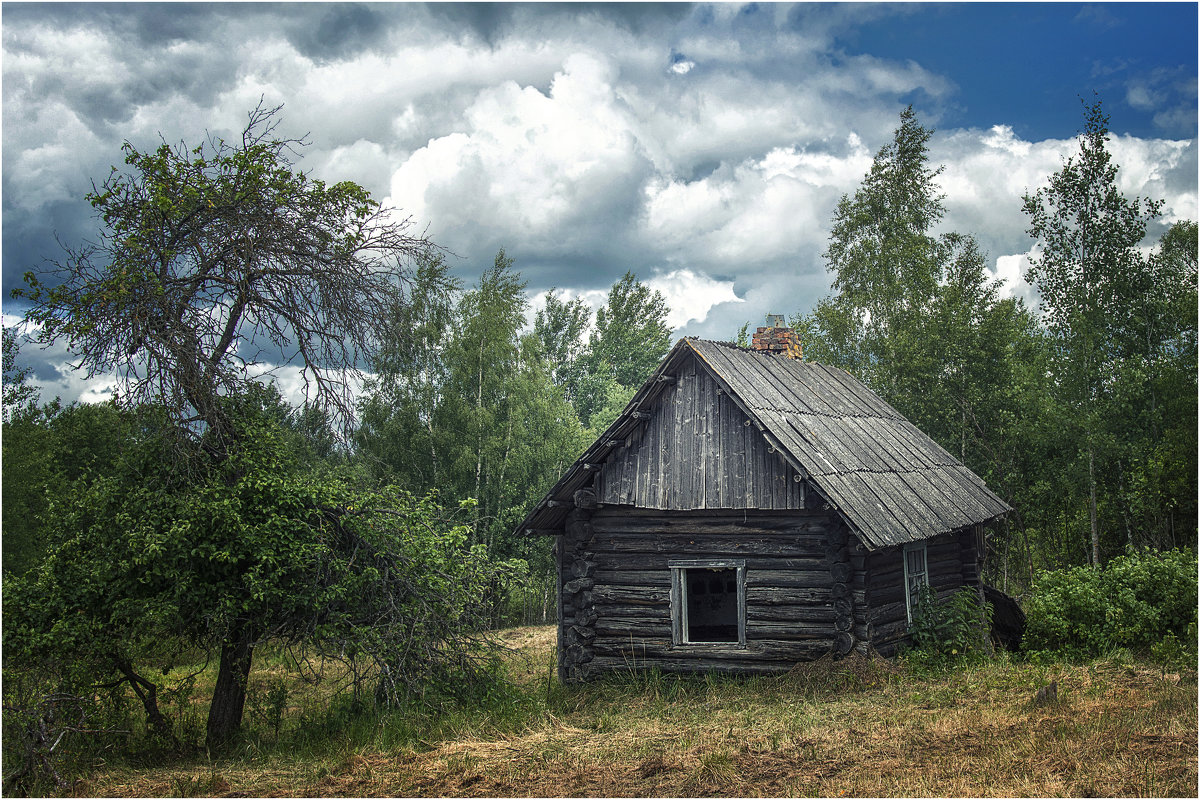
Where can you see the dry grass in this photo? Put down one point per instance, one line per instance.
(826, 729)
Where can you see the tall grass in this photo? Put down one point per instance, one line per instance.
(857, 726)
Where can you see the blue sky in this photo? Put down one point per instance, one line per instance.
(1025, 63)
(704, 147)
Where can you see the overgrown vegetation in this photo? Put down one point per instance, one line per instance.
(951, 630)
(1144, 602)
(1118, 728)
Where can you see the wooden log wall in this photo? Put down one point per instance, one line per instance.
(842, 575)
(698, 450)
(791, 613)
(576, 580)
(952, 561)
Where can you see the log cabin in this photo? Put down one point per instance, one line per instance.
(749, 510)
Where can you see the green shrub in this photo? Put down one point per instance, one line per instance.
(948, 630)
(1134, 602)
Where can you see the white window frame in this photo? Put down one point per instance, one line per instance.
(679, 613)
(910, 574)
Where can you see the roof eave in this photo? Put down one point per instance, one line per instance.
(621, 427)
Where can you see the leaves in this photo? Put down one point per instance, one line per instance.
(1134, 601)
(216, 260)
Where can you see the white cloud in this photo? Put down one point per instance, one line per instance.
(1011, 270)
(690, 295)
(563, 138)
(548, 168)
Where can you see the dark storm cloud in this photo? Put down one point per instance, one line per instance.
(31, 240)
(491, 22)
(149, 69)
(327, 32)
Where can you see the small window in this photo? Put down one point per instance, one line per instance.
(916, 575)
(708, 602)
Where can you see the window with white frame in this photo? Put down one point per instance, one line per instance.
(708, 601)
(916, 575)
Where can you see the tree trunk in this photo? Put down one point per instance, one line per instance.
(1092, 506)
(229, 696)
(147, 692)
(479, 443)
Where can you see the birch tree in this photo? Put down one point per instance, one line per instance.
(1088, 234)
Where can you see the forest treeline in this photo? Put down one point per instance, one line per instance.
(199, 516)
(1080, 413)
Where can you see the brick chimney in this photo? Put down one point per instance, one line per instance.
(776, 339)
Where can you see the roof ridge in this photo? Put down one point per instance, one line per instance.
(724, 344)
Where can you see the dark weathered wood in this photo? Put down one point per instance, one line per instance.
(632, 629)
(646, 611)
(891, 630)
(628, 535)
(781, 546)
(794, 582)
(659, 577)
(631, 595)
(560, 649)
(633, 560)
(684, 462)
(760, 651)
(796, 613)
(889, 612)
(773, 596)
(683, 664)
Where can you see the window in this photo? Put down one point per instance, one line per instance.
(916, 575)
(708, 601)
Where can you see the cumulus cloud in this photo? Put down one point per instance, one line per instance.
(1010, 271)
(690, 295)
(702, 147)
(551, 168)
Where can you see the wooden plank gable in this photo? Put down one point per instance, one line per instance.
(713, 458)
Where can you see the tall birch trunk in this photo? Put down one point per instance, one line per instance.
(1092, 505)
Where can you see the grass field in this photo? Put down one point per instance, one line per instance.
(851, 728)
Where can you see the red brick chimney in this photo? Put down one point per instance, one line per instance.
(776, 339)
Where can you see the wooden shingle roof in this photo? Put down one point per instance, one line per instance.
(890, 482)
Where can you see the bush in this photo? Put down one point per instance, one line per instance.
(951, 629)
(1137, 602)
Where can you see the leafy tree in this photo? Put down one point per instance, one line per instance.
(559, 328)
(1086, 265)
(917, 317)
(485, 354)
(885, 262)
(465, 385)
(630, 337)
(401, 431)
(207, 260)
(254, 549)
(214, 261)
(49, 451)
(19, 394)
(914, 315)
(1151, 403)
(48, 448)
